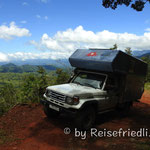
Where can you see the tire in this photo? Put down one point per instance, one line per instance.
(85, 118)
(50, 113)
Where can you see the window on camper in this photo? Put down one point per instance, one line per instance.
(90, 79)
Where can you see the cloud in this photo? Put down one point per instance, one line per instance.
(38, 16)
(11, 31)
(23, 21)
(148, 29)
(68, 41)
(64, 43)
(147, 21)
(3, 57)
(46, 18)
(24, 3)
(44, 1)
(25, 56)
(44, 55)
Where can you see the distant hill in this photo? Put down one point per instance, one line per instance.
(139, 53)
(145, 55)
(10, 67)
(38, 62)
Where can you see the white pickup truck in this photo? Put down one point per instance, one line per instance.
(103, 80)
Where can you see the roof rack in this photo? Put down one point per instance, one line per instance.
(99, 49)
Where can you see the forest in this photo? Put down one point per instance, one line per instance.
(28, 87)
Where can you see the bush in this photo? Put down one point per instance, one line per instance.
(8, 97)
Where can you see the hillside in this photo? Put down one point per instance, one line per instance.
(10, 67)
(145, 55)
(31, 130)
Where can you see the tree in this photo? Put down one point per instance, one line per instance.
(128, 50)
(62, 76)
(147, 60)
(42, 81)
(34, 85)
(30, 89)
(114, 47)
(138, 5)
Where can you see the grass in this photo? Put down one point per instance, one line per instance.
(143, 145)
(5, 137)
(147, 86)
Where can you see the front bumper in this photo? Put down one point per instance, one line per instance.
(70, 111)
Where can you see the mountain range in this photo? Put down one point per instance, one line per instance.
(24, 68)
(141, 53)
(38, 62)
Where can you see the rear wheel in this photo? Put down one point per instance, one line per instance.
(85, 118)
(50, 113)
(124, 111)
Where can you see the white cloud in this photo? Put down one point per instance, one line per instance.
(3, 57)
(38, 16)
(147, 21)
(46, 17)
(24, 3)
(64, 43)
(148, 29)
(23, 21)
(68, 41)
(25, 56)
(44, 1)
(11, 31)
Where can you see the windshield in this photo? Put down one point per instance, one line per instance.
(89, 79)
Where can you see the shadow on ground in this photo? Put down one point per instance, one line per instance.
(51, 131)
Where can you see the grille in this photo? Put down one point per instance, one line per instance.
(56, 96)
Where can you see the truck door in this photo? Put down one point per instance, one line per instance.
(112, 89)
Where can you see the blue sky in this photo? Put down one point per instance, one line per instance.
(53, 29)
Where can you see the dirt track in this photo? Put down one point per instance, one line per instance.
(28, 129)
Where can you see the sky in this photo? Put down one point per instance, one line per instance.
(54, 29)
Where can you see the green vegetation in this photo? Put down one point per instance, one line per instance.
(143, 145)
(24, 68)
(6, 137)
(147, 60)
(147, 86)
(115, 46)
(128, 50)
(137, 5)
(28, 88)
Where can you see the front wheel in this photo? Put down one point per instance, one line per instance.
(85, 118)
(50, 113)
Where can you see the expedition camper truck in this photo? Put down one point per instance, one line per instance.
(103, 80)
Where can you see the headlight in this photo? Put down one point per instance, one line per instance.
(69, 100)
(47, 92)
(72, 101)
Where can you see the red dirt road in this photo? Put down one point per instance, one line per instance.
(27, 128)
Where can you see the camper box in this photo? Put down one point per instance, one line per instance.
(116, 62)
